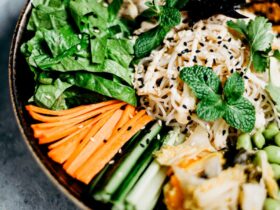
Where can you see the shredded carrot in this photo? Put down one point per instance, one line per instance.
(127, 114)
(60, 112)
(97, 161)
(98, 140)
(83, 111)
(79, 118)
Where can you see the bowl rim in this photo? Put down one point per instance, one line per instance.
(19, 29)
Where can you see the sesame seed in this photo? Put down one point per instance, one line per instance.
(245, 77)
(105, 140)
(194, 59)
(178, 68)
(185, 43)
(130, 116)
(160, 122)
(129, 128)
(91, 139)
(80, 36)
(120, 151)
(224, 132)
(219, 42)
(48, 97)
(79, 47)
(201, 44)
(184, 106)
(225, 46)
(171, 86)
(197, 51)
(80, 126)
(256, 99)
(229, 40)
(237, 63)
(105, 4)
(211, 50)
(179, 54)
(119, 129)
(231, 71)
(158, 137)
(241, 74)
(231, 57)
(142, 145)
(214, 61)
(147, 141)
(219, 37)
(111, 162)
(189, 118)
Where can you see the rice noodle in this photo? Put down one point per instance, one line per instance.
(207, 43)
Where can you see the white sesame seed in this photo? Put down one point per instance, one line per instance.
(111, 162)
(160, 122)
(80, 126)
(130, 116)
(120, 151)
(105, 4)
(79, 47)
(91, 139)
(80, 36)
(143, 128)
(158, 137)
(48, 97)
(96, 31)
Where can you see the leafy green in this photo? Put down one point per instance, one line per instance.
(211, 110)
(258, 34)
(276, 54)
(98, 49)
(114, 9)
(79, 37)
(202, 80)
(46, 95)
(240, 114)
(237, 111)
(103, 86)
(234, 87)
(148, 41)
(167, 16)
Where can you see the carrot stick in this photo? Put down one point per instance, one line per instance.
(97, 141)
(68, 138)
(60, 112)
(68, 165)
(79, 118)
(61, 153)
(60, 132)
(98, 160)
(127, 114)
(85, 110)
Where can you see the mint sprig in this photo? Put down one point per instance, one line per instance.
(167, 17)
(259, 37)
(216, 103)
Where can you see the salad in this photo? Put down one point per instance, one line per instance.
(166, 104)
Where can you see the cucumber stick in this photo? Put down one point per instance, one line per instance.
(127, 165)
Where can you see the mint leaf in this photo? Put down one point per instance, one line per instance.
(169, 17)
(260, 61)
(240, 114)
(202, 80)
(259, 34)
(276, 54)
(149, 40)
(234, 87)
(240, 26)
(211, 110)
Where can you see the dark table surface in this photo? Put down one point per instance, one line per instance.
(23, 185)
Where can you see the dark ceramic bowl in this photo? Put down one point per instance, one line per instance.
(21, 88)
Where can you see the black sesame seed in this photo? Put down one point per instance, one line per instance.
(255, 99)
(142, 145)
(147, 141)
(170, 38)
(179, 54)
(225, 46)
(185, 43)
(189, 118)
(201, 44)
(263, 96)
(146, 103)
(129, 128)
(105, 140)
(171, 86)
(178, 68)
(224, 132)
(211, 50)
(241, 74)
(214, 61)
(194, 59)
(229, 40)
(203, 28)
(219, 42)
(184, 106)
(119, 129)
(245, 77)
(141, 86)
(219, 37)
(197, 51)
(231, 71)
(237, 63)
(231, 57)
